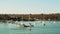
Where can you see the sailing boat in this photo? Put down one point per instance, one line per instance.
(29, 20)
(19, 24)
(22, 20)
(43, 22)
(54, 20)
(24, 24)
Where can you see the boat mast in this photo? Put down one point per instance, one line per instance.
(22, 17)
(29, 17)
(22, 20)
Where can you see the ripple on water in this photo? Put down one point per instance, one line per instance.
(49, 28)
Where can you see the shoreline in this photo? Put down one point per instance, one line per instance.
(30, 17)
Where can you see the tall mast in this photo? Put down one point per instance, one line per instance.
(22, 17)
(29, 17)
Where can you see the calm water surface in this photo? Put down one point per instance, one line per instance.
(51, 27)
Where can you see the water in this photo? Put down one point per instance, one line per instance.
(51, 27)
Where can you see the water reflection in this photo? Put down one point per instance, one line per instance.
(49, 28)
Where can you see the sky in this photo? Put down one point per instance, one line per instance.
(29, 6)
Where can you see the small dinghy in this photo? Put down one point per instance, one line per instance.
(27, 25)
(24, 25)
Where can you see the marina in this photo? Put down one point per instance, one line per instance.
(29, 16)
(49, 28)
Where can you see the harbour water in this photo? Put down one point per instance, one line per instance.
(51, 27)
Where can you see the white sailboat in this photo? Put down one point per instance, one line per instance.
(54, 20)
(43, 22)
